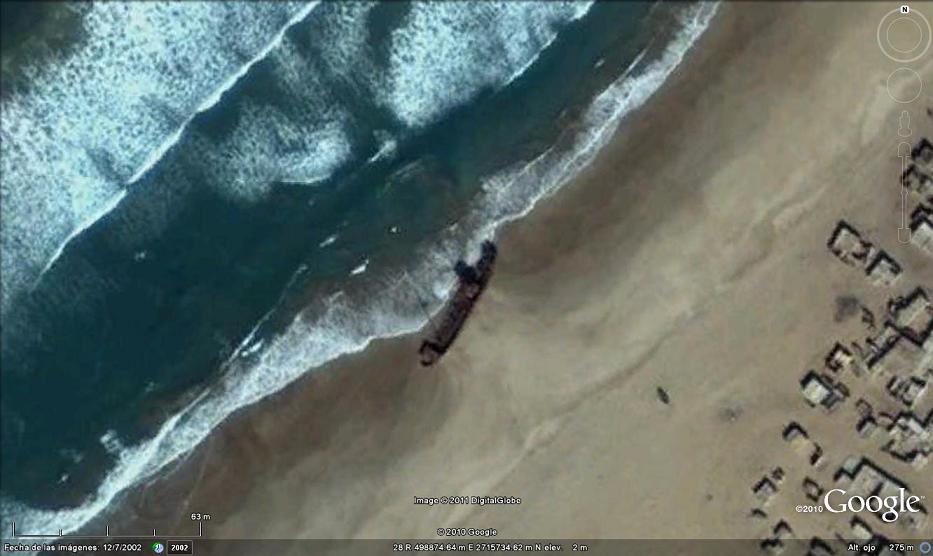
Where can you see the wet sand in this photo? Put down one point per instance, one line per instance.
(691, 256)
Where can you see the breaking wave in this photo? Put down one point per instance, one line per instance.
(437, 67)
(97, 120)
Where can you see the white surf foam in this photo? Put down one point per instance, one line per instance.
(268, 146)
(360, 269)
(248, 346)
(387, 147)
(111, 443)
(328, 240)
(215, 95)
(252, 349)
(97, 119)
(447, 52)
(338, 326)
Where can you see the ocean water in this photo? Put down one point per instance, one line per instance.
(204, 201)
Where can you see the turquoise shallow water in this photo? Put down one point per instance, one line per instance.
(338, 178)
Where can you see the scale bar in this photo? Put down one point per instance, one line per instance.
(61, 534)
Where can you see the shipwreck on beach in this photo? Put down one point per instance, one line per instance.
(472, 281)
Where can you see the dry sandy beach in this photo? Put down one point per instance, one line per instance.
(691, 256)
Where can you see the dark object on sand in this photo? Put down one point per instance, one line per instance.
(663, 396)
(847, 306)
(473, 280)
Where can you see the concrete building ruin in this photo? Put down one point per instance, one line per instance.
(917, 181)
(846, 243)
(883, 270)
(816, 390)
(821, 390)
(764, 490)
(781, 532)
(921, 233)
(848, 246)
(922, 155)
(911, 440)
(839, 358)
(913, 315)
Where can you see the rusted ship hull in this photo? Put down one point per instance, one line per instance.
(472, 282)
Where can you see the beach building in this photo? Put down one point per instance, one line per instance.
(819, 547)
(908, 390)
(772, 546)
(839, 358)
(883, 270)
(783, 530)
(917, 181)
(764, 490)
(911, 441)
(921, 233)
(900, 360)
(922, 155)
(775, 543)
(800, 442)
(880, 343)
(886, 420)
(913, 315)
(794, 433)
(816, 390)
(811, 489)
(846, 243)
(816, 455)
(777, 474)
(866, 426)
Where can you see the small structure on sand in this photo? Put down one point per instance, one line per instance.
(848, 245)
(764, 490)
(921, 235)
(883, 270)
